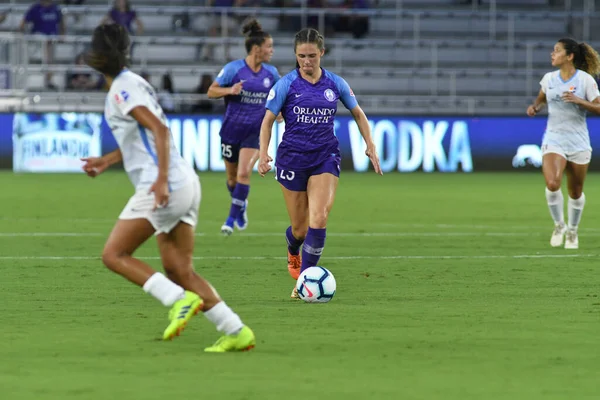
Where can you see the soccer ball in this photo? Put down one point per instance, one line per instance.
(316, 285)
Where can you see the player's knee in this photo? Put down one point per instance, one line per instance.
(553, 184)
(318, 219)
(110, 258)
(231, 181)
(243, 175)
(300, 231)
(575, 192)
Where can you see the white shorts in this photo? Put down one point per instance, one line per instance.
(183, 206)
(578, 157)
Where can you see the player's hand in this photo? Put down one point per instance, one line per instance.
(237, 88)
(161, 193)
(569, 97)
(264, 165)
(371, 152)
(279, 118)
(94, 166)
(532, 111)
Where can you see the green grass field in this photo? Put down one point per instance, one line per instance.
(447, 289)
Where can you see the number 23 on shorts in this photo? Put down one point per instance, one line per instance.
(283, 175)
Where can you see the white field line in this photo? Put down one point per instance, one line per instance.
(399, 226)
(398, 257)
(282, 234)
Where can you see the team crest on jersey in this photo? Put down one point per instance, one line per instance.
(329, 95)
(267, 82)
(572, 89)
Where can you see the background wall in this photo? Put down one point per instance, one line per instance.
(54, 142)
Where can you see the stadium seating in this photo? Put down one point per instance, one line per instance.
(423, 48)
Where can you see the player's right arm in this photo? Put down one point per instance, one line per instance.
(540, 100)
(223, 85)
(275, 101)
(94, 166)
(265, 139)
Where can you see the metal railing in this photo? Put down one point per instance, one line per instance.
(400, 15)
(451, 100)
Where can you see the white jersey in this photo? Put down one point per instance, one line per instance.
(137, 144)
(567, 127)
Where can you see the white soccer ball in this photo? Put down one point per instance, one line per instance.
(316, 285)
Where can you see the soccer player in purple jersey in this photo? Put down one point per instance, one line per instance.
(308, 158)
(245, 85)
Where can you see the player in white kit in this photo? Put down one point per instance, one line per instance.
(570, 92)
(166, 199)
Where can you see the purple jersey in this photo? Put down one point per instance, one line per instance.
(124, 19)
(245, 112)
(45, 19)
(308, 111)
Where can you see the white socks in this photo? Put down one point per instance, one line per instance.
(224, 318)
(575, 209)
(163, 289)
(168, 293)
(556, 205)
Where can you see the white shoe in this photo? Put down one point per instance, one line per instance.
(226, 230)
(572, 241)
(558, 235)
(295, 294)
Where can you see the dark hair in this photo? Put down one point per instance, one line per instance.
(255, 36)
(127, 5)
(585, 57)
(110, 49)
(309, 35)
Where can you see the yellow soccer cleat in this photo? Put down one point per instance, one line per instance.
(243, 341)
(180, 314)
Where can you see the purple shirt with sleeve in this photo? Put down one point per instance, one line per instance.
(309, 111)
(44, 19)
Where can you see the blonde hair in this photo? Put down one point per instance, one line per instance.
(585, 57)
(591, 63)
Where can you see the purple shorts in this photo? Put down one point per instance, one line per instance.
(297, 181)
(230, 150)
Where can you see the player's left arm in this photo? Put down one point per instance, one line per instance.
(591, 102)
(349, 100)
(365, 130)
(161, 138)
(94, 166)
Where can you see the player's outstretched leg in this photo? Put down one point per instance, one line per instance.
(184, 304)
(176, 249)
(125, 238)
